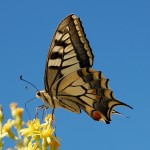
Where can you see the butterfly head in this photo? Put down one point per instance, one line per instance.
(46, 98)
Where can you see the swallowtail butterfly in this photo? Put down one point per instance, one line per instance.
(70, 81)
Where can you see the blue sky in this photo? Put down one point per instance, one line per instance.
(119, 34)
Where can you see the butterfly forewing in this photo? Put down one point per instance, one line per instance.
(69, 51)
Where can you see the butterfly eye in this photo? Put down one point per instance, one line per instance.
(38, 94)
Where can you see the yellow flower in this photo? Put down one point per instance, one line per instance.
(48, 130)
(48, 134)
(33, 128)
(44, 132)
(2, 135)
(6, 129)
(1, 116)
(49, 118)
(1, 144)
(34, 146)
(17, 114)
(54, 144)
(13, 107)
(39, 136)
(30, 146)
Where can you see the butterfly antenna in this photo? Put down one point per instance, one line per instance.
(29, 83)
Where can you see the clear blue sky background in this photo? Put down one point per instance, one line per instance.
(119, 34)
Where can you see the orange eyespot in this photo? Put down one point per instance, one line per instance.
(96, 115)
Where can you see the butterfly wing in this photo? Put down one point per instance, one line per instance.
(69, 51)
(87, 89)
(69, 79)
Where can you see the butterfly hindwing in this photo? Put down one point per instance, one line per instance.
(88, 89)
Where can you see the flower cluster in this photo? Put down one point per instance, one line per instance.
(45, 132)
(37, 135)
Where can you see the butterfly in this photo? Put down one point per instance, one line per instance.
(70, 81)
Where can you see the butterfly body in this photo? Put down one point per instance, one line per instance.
(49, 101)
(70, 81)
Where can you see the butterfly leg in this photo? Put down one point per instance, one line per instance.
(39, 108)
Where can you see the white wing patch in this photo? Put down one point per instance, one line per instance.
(58, 36)
(56, 62)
